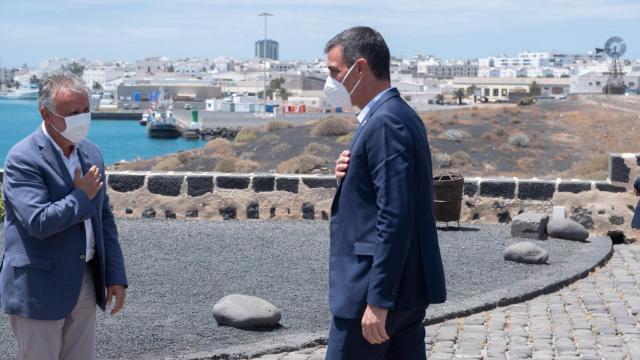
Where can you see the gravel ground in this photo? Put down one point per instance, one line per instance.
(178, 270)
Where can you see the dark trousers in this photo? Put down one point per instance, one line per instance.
(406, 341)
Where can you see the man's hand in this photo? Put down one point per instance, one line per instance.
(119, 292)
(373, 324)
(90, 183)
(342, 164)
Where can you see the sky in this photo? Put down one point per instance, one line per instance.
(31, 31)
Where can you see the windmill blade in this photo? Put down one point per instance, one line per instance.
(623, 49)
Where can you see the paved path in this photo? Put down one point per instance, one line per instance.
(594, 318)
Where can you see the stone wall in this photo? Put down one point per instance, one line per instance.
(599, 205)
(220, 196)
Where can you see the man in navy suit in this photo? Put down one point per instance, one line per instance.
(635, 221)
(385, 266)
(61, 249)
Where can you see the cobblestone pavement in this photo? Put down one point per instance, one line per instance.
(594, 318)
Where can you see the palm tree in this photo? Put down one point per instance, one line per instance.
(460, 93)
(471, 91)
(534, 89)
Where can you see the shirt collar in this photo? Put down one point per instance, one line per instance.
(365, 111)
(56, 146)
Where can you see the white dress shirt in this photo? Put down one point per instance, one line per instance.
(72, 163)
(363, 114)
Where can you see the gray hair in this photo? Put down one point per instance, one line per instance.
(54, 82)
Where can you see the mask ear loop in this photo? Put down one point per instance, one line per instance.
(53, 126)
(346, 76)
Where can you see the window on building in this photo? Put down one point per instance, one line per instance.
(496, 92)
(504, 92)
(597, 83)
(631, 84)
(487, 92)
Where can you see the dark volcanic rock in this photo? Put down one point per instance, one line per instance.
(567, 229)
(166, 185)
(582, 217)
(125, 183)
(253, 210)
(199, 185)
(149, 214)
(228, 213)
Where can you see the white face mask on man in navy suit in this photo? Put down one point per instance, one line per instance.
(337, 93)
(77, 127)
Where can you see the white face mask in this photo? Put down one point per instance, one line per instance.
(337, 94)
(77, 127)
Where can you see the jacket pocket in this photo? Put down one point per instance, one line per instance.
(364, 248)
(19, 260)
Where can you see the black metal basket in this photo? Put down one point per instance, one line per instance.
(447, 196)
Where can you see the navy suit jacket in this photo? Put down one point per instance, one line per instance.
(384, 244)
(635, 221)
(44, 234)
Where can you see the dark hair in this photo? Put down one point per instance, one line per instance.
(636, 184)
(363, 42)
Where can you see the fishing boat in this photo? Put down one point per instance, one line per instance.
(161, 122)
(20, 94)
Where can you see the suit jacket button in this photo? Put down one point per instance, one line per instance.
(82, 257)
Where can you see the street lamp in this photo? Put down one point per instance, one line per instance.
(264, 56)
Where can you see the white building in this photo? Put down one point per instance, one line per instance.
(101, 75)
(6, 74)
(223, 65)
(193, 67)
(498, 89)
(536, 64)
(53, 64)
(594, 82)
(152, 65)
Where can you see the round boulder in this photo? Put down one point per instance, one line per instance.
(526, 252)
(566, 229)
(246, 312)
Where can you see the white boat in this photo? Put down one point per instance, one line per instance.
(20, 94)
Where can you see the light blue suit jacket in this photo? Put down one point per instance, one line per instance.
(44, 235)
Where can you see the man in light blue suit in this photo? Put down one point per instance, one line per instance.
(385, 266)
(61, 252)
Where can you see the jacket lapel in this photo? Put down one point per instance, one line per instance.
(85, 160)
(386, 96)
(393, 92)
(51, 156)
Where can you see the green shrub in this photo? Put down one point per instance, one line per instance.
(277, 125)
(315, 149)
(333, 126)
(526, 101)
(1, 207)
(303, 164)
(235, 165)
(246, 135)
(280, 149)
(345, 139)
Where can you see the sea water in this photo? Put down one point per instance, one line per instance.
(117, 139)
